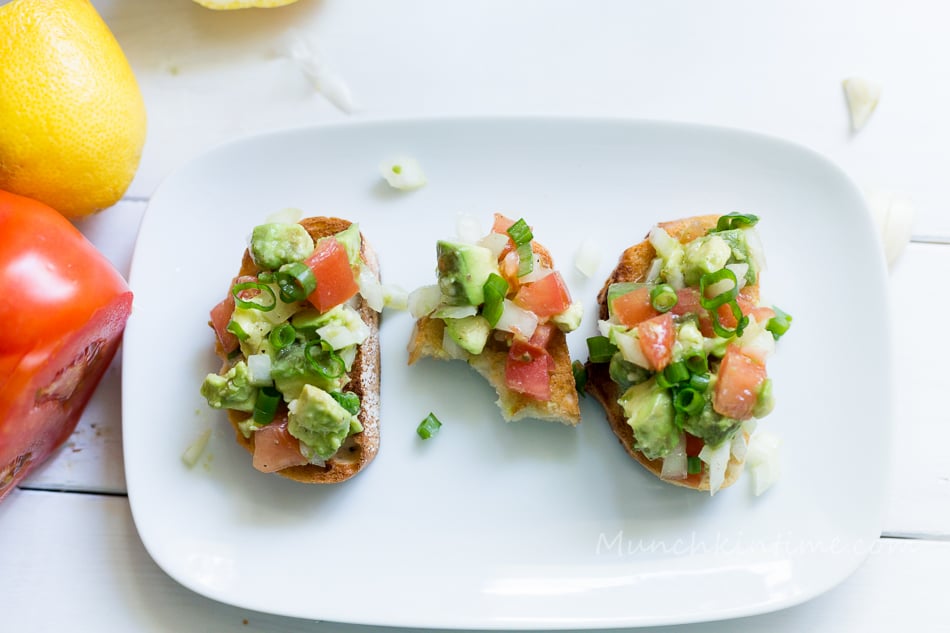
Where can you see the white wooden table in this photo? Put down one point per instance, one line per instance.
(70, 558)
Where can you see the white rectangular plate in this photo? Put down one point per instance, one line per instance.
(526, 525)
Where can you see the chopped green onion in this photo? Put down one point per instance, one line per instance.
(495, 289)
(662, 381)
(699, 382)
(327, 363)
(676, 373)
(520, 233)
(348, 400)
(741, 322)
(254, 305)
(296, 282)
(779, 324)
(282, 336)
(235, 328)
(600, 349)
(723, 298)
(689, 401)
(429, 426)
(525, 259)
(266, 277)
(266, 405)
(694, 465)
(697, 364)
(735, 220)
(580, 376)
(663, 298)
(679, 419)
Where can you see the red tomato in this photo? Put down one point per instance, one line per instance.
(633, 307)
(502, 224)
(687, 302)
(275, 448)
(542, 335)
(693, 445)
(545, 297)
(657, 336)
(63, 313)
(331, 268)
(527, 370)
(221, 316)
(738, 384)
(746, 306)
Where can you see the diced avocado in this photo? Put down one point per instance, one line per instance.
(320, 422)
(705, 255)
(291, 372)
(570, 319)
(689, 340)
(625, 373)
(233, 390)
(711, 427)
(649, 411)
(765, 401)
(471, 333)
(257, 324)
(341, 326)
(278, 243)
(463, 270)
(736, 239)
(618, 290)
(349, 239)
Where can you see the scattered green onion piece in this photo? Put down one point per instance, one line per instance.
(266, 405)
(327, 363)
(676, 372)
(779, 324)
(296, 282)
(663, 298)
(495, 289)
(266, 277)
(697, 364)
(525, 260)
(235, 328)
(253, 305)
(520, 233)
(689, 401)
(348, 400)
(580, 376)
(694, 465)
(600, 349)
(282, 336)
(736, 220)
(679, 419)
(723, 298)
(428, 427)
(699, 382)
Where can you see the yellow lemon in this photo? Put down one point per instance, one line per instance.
(242, 4)
(72, 119)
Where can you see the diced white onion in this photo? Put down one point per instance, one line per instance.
(468, 228)
(663, 242)
(495, 242)
(629, 345)
(450, 347)
(194, 451)
(340, 336)
(674, 464)
(604, 327)
(537, 272)
(403, 173)
(717, 459)
(587, 258)
(756, 341)
(655, 267)
(424, 300)
(258, 370)
(739, 446)
(862, 96)
(348, 355)
(370, 289)
(455, 312)
(739, 270)
(517, 320)
(394, 297)
(285, 216)
(762, 460)
(716, 289)
(756, 250)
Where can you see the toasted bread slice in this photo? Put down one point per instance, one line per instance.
(633, 266)
(359, 449)
(426, 340)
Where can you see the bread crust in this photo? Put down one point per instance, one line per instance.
(633, 266)
(563, 406)
(359, 449)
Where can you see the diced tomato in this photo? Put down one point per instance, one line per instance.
(737, 386)
(502, 224)
(633, 307)
(527, 370)
(762, 314)
(220, 317)
(331, 268)
(275, 448)
(657, 336)
(508, 263)
(542, 335)
(545, 297)
(687, 302)
(746, 306)
(693, 445)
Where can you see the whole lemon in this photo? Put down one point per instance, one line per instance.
(72, 119)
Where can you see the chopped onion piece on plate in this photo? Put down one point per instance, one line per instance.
(403, 173)
(587, 258)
